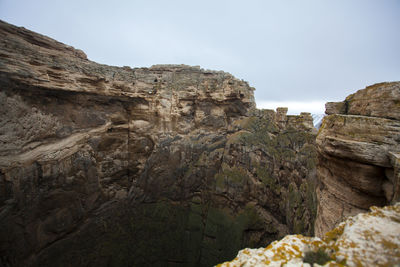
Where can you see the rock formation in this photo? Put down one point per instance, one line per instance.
(359, 154)
(358, 166)
(167, 165)
(368, 239)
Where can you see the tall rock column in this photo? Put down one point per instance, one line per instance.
(358, 152)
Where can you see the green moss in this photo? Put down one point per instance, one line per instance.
(265, 175)
(287, 147)
(320, 257)
(195, 220)
(310, 201)
(230, 176)
(239, 137)
(224, 231)
(300, 208)
(308, 156)
(252, 220)
(298, 226)
(260, 129)
(199, 231)
(294, 195)
(245, 123)
(189, 171)
(219, 181)
(197, 234)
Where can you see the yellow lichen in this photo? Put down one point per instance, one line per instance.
(246, 251)
(368, 239)
(333, 235)
(267, 262)
(387, 244)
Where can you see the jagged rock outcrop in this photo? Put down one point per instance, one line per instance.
(359, 153)
(167, 165)
(368, 239)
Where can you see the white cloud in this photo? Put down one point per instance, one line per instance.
(295, 107)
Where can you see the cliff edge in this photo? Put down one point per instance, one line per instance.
(163, 166)
(358, 148)
(358, 154)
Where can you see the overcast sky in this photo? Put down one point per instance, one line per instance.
(295, 53)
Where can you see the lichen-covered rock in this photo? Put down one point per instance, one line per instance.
(368, 239)
(378, 100)
(357, 147)
(167, 165)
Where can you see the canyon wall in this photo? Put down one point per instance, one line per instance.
(358, 154)
(167, 165)
(358, 148)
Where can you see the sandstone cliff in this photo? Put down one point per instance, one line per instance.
(368, 239)
(359, 154)
(167, 165)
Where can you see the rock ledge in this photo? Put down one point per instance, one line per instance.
(368, 239)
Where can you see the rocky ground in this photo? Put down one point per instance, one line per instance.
(167, 165)
(368, 239)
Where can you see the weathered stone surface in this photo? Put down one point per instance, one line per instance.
(368, 239)
(379, 100)
(100, 163)
(335, 108)
(356, 146)
(392, 187)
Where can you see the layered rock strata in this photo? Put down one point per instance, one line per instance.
(167, 165)
(368, 239)
(358, 153)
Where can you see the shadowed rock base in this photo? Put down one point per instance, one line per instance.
(170, 165)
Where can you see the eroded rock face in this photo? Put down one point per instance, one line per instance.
(358, 151)
(368, 239)
(167, 165)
